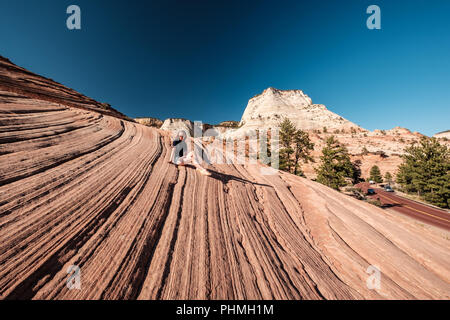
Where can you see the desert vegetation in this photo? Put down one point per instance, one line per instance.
(375, 174)
(426, 171)
(335, 165)
(296, 147)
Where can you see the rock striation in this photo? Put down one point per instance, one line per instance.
(83, 188)
(23, 82)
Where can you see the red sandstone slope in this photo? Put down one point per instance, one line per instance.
(23, 82)
(82, 188)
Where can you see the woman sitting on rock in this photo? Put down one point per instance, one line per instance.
(180, 155)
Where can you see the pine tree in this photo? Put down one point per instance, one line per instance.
(287, 131)
(426, 171)
(356, 178)
(335, 165)
(264, 144)
(388, 178)
(375, 174)
(303, 147)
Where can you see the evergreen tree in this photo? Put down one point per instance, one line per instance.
(287, 132)
(375, 174)
(388, 178)
(335, 165)
(303, 147)
(264, 144)
(357, 172)
(426, 171)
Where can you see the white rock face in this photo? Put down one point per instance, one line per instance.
(175, 125)
(445, 134)
(272, 106)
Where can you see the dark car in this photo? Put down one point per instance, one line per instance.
(371, 191)
(388, 189)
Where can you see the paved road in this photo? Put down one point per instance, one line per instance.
(414, 209)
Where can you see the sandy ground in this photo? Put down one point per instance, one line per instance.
(91, 190)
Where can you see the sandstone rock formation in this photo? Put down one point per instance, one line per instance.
(150, 122)
(175, 124)
(445, 135)
(82, 188)
(266, 110)
(23, 82)
(380, 147)
(228, 124)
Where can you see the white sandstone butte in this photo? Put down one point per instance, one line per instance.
(269, 108)
(176, 124)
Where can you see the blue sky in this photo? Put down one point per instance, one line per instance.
(203, 60)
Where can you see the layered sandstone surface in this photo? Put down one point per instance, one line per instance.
(23, 82)
(86, 189)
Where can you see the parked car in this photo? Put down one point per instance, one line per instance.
(370, 191)
(371, 182)
(388, 189)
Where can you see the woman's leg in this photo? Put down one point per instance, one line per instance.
(190, 158)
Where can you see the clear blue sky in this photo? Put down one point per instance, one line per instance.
(203, 60)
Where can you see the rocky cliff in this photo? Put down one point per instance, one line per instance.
(272, 106)
(150, 122)
(176, 124)
(445, 135)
